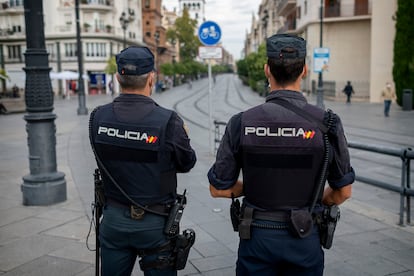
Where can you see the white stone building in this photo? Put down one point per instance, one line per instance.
(102, 36)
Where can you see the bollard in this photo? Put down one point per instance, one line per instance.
(407, 100)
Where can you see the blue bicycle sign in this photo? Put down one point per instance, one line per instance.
(209, 33)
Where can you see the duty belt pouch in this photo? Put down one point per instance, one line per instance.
(245, 224)
(137, 213)
(301, 223)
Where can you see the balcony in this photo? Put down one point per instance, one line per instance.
(6, 9)
(87, 28)
(285, 7)
(351, 10)
(102, 5)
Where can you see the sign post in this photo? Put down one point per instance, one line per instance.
(209, 34)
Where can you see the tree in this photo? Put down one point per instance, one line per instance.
(3, 78)
(110, 66)
(255, 62)
(403, 70)
(167, 69)
(184, 32)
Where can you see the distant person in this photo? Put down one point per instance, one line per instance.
(111, 87)
(15, 91)
(348, 90)
(388, 94)
(73, 87)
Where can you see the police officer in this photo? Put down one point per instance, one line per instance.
(281, 154)
(142, 147)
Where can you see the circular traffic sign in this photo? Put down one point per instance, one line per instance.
(209, 33)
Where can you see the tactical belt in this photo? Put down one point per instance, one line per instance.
(278, 216)
(160, 208)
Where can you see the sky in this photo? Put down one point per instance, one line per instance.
(234, 18)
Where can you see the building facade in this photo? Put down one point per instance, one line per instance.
(358, 33)
(106, 26)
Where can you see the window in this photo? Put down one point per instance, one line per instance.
(95, 50)
(298, 12)
(17, 29)
(332, 8)
(50, 48)
(14, 52)
(147, 4)
(15, 3)
(99, 25)
(68, 18)
(71, 50)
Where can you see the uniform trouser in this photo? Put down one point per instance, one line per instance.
(121, 237)
(387, 105)
(276, 252)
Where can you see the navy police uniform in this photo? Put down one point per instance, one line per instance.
(280, 154)
(143, 146)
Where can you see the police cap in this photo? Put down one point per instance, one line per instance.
(285, 46)
(135, 60)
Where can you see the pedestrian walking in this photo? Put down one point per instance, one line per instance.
(388, 95)
(348, 90)
(140, 147)
(286, 149)
(111, 87)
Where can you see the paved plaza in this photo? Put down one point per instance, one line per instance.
(52, 240)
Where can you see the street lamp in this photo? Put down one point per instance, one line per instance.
(82, 110)
(173, 58)
(44, 185)
(124, 20)
(319, 96)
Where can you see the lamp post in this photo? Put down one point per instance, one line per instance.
(157, 42)
(173, 58)
(82, 110)
(44, 185)
(319, 97)
(124, 20)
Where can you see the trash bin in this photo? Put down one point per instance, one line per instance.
(407, 99)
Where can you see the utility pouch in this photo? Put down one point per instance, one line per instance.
(245, 224)
(183, 244)
(235, 213)
(327, 224)
(137, 213)
(301, 223)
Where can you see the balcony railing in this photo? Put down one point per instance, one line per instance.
(97, 2)
(16, 8)
(347, 10)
